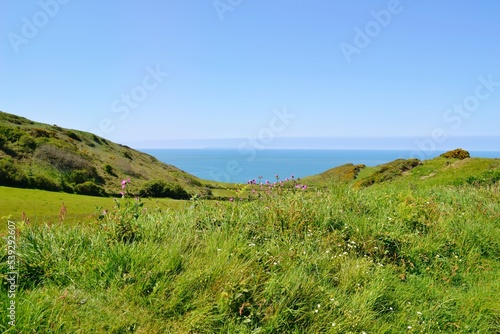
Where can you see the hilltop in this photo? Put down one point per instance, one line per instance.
(452, 168)
(49, 157)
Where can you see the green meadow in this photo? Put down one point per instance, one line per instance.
(417, 251)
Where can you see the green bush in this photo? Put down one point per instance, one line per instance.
(27, 143)
(456, 154)
(109, 169)
(3, 139)
(43, 182)
(160, 188)
(89, 188)
(11, 174)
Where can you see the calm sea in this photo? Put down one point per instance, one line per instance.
(231, 165)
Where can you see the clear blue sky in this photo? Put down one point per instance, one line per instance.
(224, 68)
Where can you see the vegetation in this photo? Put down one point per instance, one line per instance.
(456, 154)
(283, 259)
(160, 188)
(408, 246)
(48, 157)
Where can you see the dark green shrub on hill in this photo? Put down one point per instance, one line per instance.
(89, 188)
(109, 169)
(160, 188)
(28, 143)
(43, 182)
(73, 135)
(10, 134)
(456, 154)
(11, 174)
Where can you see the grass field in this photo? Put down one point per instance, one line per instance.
(386, 259)
(42, 206)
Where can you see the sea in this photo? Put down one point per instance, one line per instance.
(232, 165)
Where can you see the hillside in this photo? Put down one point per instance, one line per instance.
(451, 168)
(42, 156)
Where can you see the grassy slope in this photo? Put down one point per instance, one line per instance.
(42, 206)
(417, 253)
(380, 260)
(24, 143)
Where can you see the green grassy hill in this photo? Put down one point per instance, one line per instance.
(42, 156)
(447, 169)
(381, 259)
(405, 247)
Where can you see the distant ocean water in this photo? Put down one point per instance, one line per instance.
(231, 165)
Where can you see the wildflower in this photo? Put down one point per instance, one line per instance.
(125, 182)
(231, 199)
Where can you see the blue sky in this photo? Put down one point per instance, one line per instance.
(189, 73)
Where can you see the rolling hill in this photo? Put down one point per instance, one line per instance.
(49, 157)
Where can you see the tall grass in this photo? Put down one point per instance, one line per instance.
(386, 260)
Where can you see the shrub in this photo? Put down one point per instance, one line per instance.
(43, 182)
(28, 143)
(456, 154)
(160, 188)
(89, 188)
(109, 169)
(61, 159)
(3, 139)
(73, 135)
(11, 174)
(37, 132)
(10, 134)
